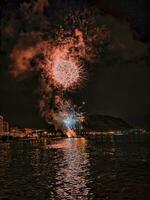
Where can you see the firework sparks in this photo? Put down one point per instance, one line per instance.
(66, 74)
(67, 117)
(63, 62)
(70, 121)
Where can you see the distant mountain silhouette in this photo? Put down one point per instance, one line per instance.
(104, 123)
(142, 121)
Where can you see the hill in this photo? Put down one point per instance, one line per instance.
(104, 123)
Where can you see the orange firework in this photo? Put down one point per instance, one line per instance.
(66, 74)
(63, 62)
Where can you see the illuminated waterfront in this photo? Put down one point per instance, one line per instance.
(109, 167)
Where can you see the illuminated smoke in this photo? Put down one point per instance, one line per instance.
(26, 50)
(40, 5)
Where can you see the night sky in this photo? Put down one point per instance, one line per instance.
(118, 82)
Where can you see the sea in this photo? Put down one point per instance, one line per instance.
(113, 167)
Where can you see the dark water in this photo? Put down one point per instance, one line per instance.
(110, 168)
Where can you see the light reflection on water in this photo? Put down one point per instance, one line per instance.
(71, 179)
(110, 167)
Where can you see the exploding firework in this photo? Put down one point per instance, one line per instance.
(70, 121)
(63, 62)
(67, 117)
(66, 74)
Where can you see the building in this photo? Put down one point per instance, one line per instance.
(1, 124)
(16, 132)
(4, 126)
(28, 132)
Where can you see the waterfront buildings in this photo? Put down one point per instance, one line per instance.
(4, 126)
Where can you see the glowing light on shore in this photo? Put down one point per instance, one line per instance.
(71, 133)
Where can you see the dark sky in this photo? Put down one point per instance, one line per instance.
(118, 82)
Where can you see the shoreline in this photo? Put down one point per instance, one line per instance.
(5, 138)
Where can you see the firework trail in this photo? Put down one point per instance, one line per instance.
(65, 71)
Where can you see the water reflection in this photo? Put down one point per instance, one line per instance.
(73, 169)
(111, 168)
(69, 143)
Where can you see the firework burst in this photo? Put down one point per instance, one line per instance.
(66, 74)
(63, 63)
(67, 117)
